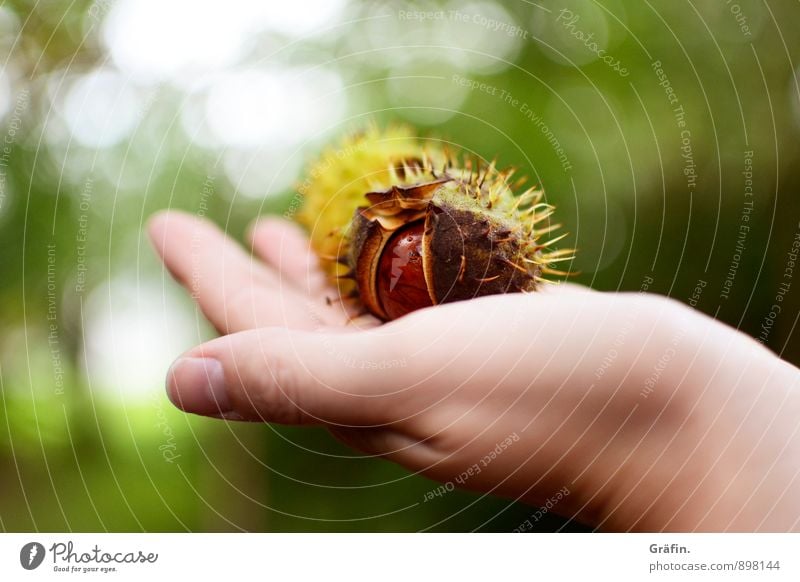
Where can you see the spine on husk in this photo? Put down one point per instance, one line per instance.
(403, 225)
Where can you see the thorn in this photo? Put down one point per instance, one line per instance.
(513, 264)
(550, 228)
(505, 175)
(550, 261)
(555, 240)
(488, 279)
(537, 218)
(561, 252)
(524, 198)
(550, 271)
(489, 170)
(540, 206)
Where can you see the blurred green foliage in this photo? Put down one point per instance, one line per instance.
(79, 453)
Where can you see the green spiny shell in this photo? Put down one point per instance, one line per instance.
(335, 184)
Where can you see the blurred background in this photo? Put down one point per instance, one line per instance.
(666, 133)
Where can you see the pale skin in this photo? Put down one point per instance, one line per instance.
(654, 416)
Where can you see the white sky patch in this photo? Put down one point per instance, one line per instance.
(9, 31)
(487, 34)
(479, 36)
(155, 41)
(194, 123)
(424, 91)
(134, 330)
(273, 108)
(301, 17)
(101, 108)
(263, 172)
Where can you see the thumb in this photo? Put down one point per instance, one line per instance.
(284, 376)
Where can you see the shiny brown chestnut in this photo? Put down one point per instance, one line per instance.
(434, 243)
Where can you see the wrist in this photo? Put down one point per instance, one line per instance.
(718, 447)
(759, 452)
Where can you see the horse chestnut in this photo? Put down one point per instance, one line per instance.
(400, 284)
(421, 245)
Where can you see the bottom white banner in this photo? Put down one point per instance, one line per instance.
(401, 556)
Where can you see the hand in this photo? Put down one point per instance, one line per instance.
(652, 416)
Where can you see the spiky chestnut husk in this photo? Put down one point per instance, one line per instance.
(432, 233)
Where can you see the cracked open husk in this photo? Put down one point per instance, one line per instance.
(403, 224)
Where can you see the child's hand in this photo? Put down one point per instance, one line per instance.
(652, 415)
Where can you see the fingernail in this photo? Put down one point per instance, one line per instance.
(198, 385)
